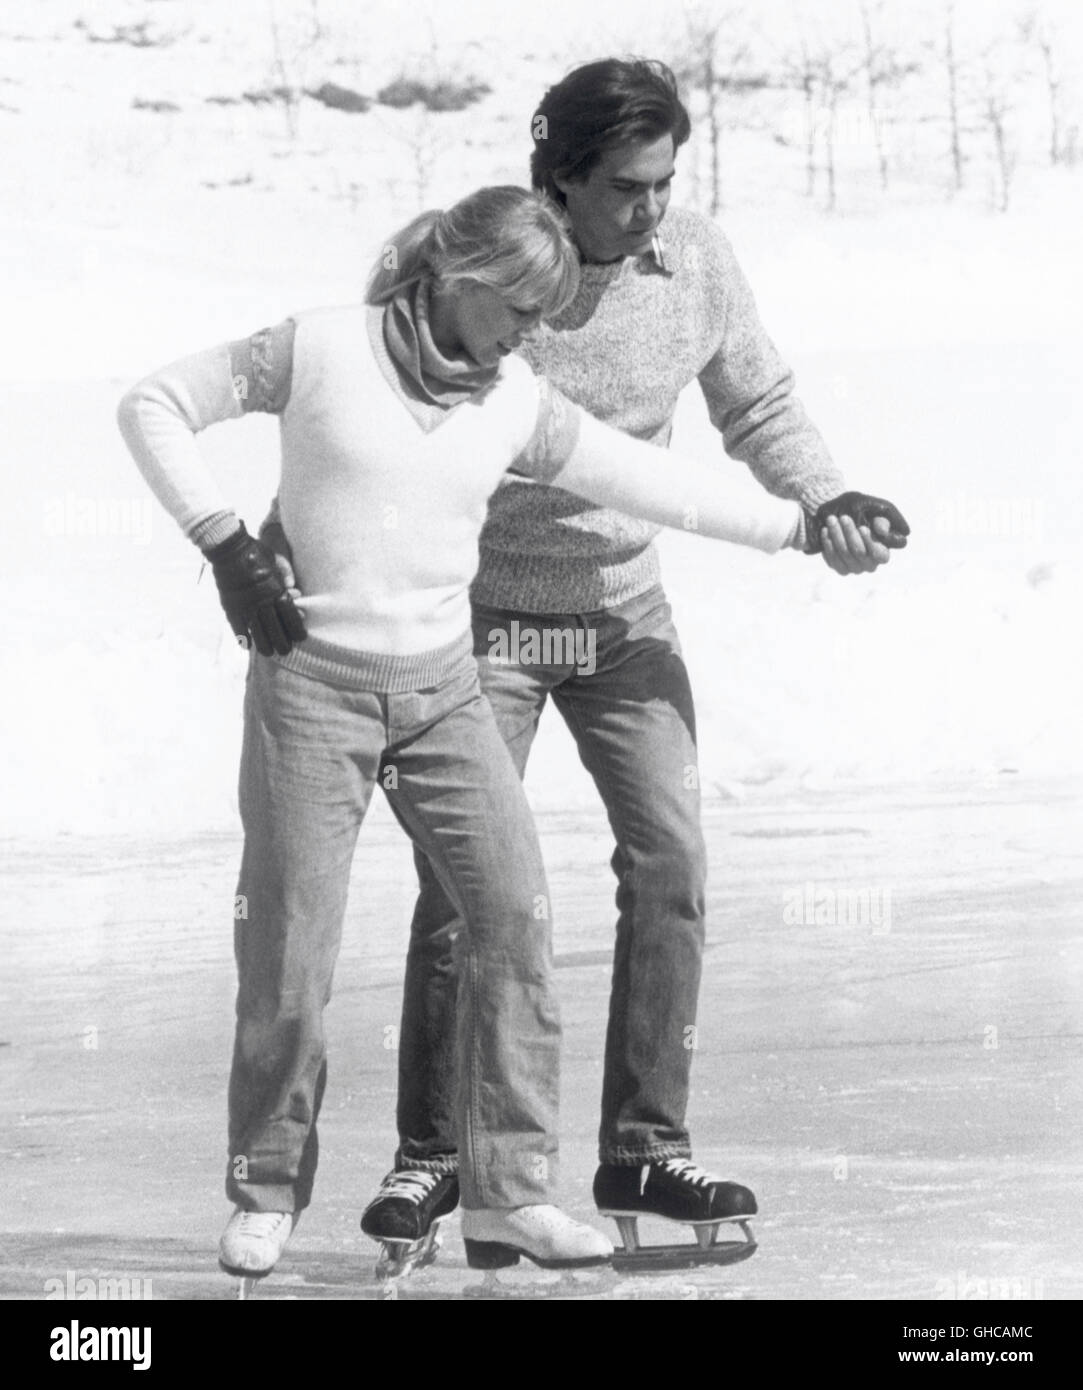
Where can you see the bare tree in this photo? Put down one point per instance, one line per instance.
(956, 71)
(423, 143)
(718, 63)
(290, 56)
(825, 75)
(996, 112)
(883, 67)
(1038, 33)
(836, 74)
(824, 70)
(951, 70)
(801, 73)
(872, 65)
(1001, 74)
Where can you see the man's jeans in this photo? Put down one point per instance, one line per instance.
(633, 721)
(312, 754)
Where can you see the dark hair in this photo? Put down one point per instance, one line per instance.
(598, 107)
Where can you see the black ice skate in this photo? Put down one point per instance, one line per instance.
(674, 1189)
(404, 1217)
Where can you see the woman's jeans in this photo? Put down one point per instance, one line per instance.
(624, 694)
(312, 755)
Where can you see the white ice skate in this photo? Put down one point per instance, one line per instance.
(496, 1238)
(251, 1244)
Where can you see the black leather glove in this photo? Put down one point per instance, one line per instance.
(255, 599)
(863, 510)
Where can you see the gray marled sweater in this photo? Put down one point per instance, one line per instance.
(637, 333)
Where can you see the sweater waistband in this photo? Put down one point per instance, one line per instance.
(380, 672)
(563, 583)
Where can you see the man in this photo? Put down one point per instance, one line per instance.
(659, 306)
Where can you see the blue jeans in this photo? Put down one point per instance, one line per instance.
(313, 752)
(629, 708)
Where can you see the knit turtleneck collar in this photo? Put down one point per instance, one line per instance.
(445, 381)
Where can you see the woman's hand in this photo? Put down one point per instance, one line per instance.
(851, 549)
(857, 533)
(259, 607)
(274, 538)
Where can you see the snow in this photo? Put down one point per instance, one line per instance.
(935, 344)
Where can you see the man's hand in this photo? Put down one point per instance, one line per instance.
(256, 601)
(856, 533)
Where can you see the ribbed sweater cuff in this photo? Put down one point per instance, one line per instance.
(379, 671)
(214, 529)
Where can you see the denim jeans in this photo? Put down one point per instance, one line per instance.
(312, 754)
(628, 705)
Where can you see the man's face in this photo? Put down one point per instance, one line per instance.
(616, 210)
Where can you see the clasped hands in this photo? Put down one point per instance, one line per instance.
(855, 533)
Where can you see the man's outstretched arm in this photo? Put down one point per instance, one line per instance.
(750, 398)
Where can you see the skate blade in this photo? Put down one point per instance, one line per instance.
(400, 1258)
(654, 1258)
(247, 1283)
(633, 1258)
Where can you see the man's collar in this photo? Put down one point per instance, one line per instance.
(654, 259)
(658, 253)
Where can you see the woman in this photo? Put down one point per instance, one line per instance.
(398, 420)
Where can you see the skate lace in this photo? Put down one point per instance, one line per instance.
(412, 1184)
(689, 1172)
(260, 1223)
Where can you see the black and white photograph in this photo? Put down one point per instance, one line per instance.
(541, 729)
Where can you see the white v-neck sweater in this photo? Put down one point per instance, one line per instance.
(383, 496)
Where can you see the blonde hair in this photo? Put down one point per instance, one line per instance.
(508, 238)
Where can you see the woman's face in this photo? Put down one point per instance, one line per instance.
(487, 323)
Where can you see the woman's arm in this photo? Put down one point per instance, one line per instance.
(161, 414)
(615, 470)
(159, 418)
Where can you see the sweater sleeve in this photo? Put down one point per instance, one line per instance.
(615, 470)
(161, 415)
(556, 430)
(749, 392)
